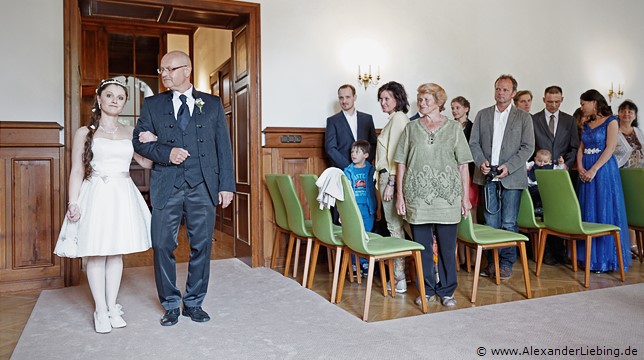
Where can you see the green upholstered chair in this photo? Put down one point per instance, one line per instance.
(562, 217)
(300, 229)
(483, 237)
(281, 219)
(359, 243)
(633, 185)
(528, 223)
(323, 230)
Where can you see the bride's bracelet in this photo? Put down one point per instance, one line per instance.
(72, 203)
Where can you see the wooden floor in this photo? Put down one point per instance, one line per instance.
(15, 308)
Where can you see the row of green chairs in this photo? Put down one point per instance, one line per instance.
(350, 239)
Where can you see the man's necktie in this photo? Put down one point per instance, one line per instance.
(183, 116)
(551, 124)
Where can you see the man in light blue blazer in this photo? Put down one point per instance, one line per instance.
(502, 141)
(192, 174)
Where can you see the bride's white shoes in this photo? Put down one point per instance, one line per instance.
(102, 322)
(115, 319)
(105, 321)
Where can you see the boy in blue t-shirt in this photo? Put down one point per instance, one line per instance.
(361, 176)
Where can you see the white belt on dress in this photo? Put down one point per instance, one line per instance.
(592, 151)
(106, 176)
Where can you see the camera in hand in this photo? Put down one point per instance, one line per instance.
(494, 171)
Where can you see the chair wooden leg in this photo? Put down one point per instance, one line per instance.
(620, 256)
(524, 264)
(329, 258)
(383, 277)
(314, 262)
(289, 253)
(412, 273)
(477, 271)
(296, 259)
(468, 261)
(307, 261)
(497, 274)
(276, 246)
(542, 248)
(346, 257)
(421, 285)
(574, 255)
(589, 245)
(537, 243)
(367, 300)
(392, 280)
(336, 273)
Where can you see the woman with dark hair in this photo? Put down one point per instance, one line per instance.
(106, 214)
(432, 158)
(393, 101)
(600, 188)
(629, 143)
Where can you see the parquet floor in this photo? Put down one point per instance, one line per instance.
(553, 280)
(15, 308)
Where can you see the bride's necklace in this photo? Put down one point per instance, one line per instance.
(109, 132)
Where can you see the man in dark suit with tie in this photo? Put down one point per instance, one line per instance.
(347, 126)
(192, 173)
(502, 140)
(556, 131)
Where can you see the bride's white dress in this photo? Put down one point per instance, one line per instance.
(114, 216)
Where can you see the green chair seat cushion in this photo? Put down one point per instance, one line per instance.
(387, 245)
(594, 228)
(337, 235)
(492, 236)
(480, 227)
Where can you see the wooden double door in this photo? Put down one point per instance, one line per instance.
(233, 234)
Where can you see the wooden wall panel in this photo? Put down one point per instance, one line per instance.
(281, 156)
(32, 209)
(31, 175)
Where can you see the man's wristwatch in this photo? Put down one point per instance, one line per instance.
(391, 182)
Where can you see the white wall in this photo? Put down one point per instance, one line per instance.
(462, 45)
(305, 58)
(32, 43)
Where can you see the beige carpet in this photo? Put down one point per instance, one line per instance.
(259, 314)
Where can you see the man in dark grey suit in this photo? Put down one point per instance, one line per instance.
(347, 126)
(502, 140)
(555, 131)
(192, 173)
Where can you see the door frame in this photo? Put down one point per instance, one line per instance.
(72, 96)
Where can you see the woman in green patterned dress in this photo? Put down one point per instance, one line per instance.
(432, 158)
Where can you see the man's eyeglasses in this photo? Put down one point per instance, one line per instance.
(169, 69)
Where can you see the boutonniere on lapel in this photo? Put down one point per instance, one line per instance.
(199, 102)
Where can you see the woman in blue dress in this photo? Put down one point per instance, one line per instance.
(600, 189)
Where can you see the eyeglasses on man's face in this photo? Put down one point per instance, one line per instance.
(169, 69)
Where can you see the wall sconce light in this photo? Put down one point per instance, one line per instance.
(617, 94)
(367, 78)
